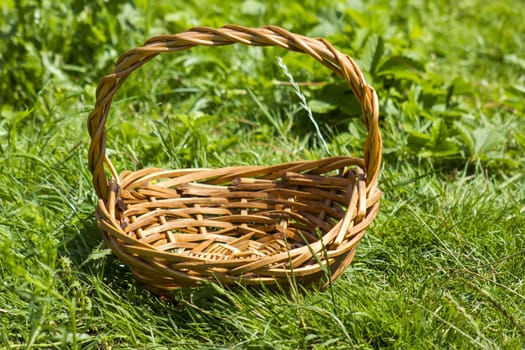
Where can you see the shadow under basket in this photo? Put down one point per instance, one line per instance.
(298, 221)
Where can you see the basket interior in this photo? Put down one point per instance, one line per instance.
(236, 213)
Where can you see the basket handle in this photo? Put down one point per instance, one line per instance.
(318, 48)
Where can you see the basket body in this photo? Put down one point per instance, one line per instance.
(299, 221)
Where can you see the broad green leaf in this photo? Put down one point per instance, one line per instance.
(97, 254)
(438, 132)
(318, 106)
(466, 136)
(480, 137)
(334, 96)
(417, 139)
(461, 86)
(447, 150)
(196, 59)
(520, 137)
(253, 8)
(373, 51)
(410, 76)
(487, 138)
(518, 88)
(400, 63)
(325, 29)
(358, 17)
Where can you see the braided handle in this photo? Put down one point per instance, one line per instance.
(318, 48)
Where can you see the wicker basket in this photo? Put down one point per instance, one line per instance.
(240, 224)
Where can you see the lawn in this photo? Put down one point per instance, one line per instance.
(442, 266)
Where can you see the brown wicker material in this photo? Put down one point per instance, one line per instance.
(240, 224)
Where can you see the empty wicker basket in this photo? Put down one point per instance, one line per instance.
(240, 224)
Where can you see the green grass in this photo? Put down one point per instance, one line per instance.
(441, 267)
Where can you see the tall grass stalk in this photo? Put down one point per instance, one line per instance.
(303, 102)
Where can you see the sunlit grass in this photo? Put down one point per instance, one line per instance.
(441, 266)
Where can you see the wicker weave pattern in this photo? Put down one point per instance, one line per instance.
(249, 224)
